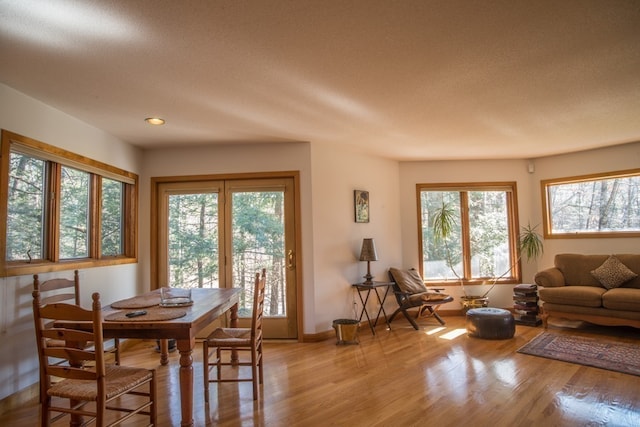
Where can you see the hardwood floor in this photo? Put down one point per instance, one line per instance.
(403, 377)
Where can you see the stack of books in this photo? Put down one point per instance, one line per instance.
(525, 305)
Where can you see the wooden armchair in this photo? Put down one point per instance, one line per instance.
(411, 292)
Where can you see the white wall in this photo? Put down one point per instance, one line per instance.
(29, 117)
(337, 238)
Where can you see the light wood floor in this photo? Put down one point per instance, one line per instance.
(404, 377)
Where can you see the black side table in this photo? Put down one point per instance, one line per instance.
(368, 287)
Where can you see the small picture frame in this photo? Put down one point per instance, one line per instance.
(361, 205)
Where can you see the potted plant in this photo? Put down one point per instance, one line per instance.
(529, 245)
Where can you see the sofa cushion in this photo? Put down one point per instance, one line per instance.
(626, 299)
(585, 296)
(408, 280)
(613, 273)
(577, 268)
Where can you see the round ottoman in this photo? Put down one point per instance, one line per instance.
(490, 323)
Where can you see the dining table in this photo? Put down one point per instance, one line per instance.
(181, 322)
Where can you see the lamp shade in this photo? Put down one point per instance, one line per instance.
(368, 251)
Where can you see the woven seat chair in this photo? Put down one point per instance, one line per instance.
(90, 386)
(66, 291)
(237, 339)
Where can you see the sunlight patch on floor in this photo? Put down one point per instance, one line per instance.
(454, 334)
(435, 330)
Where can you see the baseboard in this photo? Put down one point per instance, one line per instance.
(364, 326)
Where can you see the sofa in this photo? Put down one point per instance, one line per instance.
(600, 289)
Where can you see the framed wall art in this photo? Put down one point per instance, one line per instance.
(361, 205)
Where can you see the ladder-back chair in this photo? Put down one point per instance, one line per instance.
(67, 291)
(84, 378)
(238, 339)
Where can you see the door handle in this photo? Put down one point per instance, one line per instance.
(291, 260)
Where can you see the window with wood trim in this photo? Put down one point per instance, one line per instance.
(61, 210)
(601, 205)
(482, 244)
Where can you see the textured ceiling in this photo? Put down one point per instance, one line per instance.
(401, 79)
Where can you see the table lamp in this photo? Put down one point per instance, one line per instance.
(368, 253)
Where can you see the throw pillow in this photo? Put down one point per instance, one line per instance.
(408, 281)
(613, 273)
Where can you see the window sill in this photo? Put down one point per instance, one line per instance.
(22, 269)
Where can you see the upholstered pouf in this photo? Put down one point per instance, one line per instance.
(490, 323)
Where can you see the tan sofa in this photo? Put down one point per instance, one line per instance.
(570, 290)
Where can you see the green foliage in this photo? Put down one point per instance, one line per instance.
(444, 221)
(530, 242)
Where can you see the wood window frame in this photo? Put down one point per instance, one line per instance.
(510, 188)
(546, 208)
(56, 158)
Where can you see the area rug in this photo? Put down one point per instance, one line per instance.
(597, 352)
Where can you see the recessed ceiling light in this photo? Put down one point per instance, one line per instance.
(154, 121)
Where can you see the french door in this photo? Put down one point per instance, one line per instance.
(220, 233)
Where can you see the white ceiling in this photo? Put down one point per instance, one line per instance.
(403, 79)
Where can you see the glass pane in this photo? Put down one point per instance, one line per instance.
(112, 220)
(604, 205)
(489, 234)
(193, 240)
(25, 216)
(258, 242)
(441, 260)
(74, 213)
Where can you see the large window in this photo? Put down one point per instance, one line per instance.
(483, 242)
(604, 205)
(62, 210)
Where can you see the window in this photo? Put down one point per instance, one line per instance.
(604, 205)
(483, 241)
(112, 217)
(63, 210)
(74, 213)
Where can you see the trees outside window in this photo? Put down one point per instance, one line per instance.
(483, 241)
(605, 205)
(112, 218)
(74, 213)
(26, 207)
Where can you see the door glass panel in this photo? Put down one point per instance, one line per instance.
(193, 241)
(258, 242)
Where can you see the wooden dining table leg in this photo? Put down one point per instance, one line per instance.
(233, 315)
(164, 351)
(185, 347)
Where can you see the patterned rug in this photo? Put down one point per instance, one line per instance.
(597, 352)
